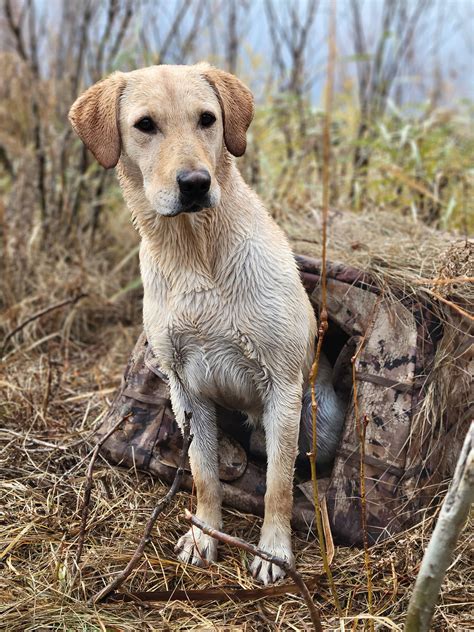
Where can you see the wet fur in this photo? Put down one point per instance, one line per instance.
(224, 308)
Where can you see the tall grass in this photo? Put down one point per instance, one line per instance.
(421, 162)
(62, 219)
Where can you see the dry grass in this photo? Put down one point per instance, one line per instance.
(59, 370)
(55, 390)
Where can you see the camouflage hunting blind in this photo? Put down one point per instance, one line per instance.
(385, 340)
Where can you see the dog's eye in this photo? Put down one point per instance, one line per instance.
(146, 125)
(207, 119)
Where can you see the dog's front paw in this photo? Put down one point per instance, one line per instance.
(197, 548)
(266, 572)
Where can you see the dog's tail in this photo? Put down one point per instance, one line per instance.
(330, 419)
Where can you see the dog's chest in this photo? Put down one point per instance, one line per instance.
(200, 338)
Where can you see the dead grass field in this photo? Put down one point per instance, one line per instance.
(70, 294)
(56, 380)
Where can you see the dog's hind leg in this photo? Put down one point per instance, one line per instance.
(195, 546)
(281, 421)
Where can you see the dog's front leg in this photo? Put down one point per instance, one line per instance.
(195, 546)
(281, 421)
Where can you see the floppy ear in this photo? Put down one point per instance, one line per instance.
(94, 117)
(236, 103)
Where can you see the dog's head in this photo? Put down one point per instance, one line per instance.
(170, 127)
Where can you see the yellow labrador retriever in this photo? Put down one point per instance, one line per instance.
(224, 309)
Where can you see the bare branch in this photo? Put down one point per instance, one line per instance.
(362, 65)
(88, 489)
(16, 30)
(76, 75)
(37, 315)
(173, 30)
(189, 40)
(161, 505)
(121, 31)
(213, 594)
(273, 559)
(112, 14)
(275, 33)
(34, 63)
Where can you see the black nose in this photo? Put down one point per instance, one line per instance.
(193, 185)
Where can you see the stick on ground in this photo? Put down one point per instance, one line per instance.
(250, 548)
(162, 504)
(88, 490)
(212, 594)
(43, 312)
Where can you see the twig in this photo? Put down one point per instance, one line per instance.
(323, 317)
(112, 14)
(26, 438)
(121, 31)
(438, 554)
(88, 489)
(451, 304)
(362, 429)
(212, 594)
(459, 279)
(250, 548)
(39, 314)
(16, 29)
(162, 504)
(47, 394)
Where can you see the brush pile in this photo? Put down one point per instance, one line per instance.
(57, 373)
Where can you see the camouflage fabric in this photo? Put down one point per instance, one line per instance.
(397, 340)
(149, 438)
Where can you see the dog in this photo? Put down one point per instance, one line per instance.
(224, 309)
